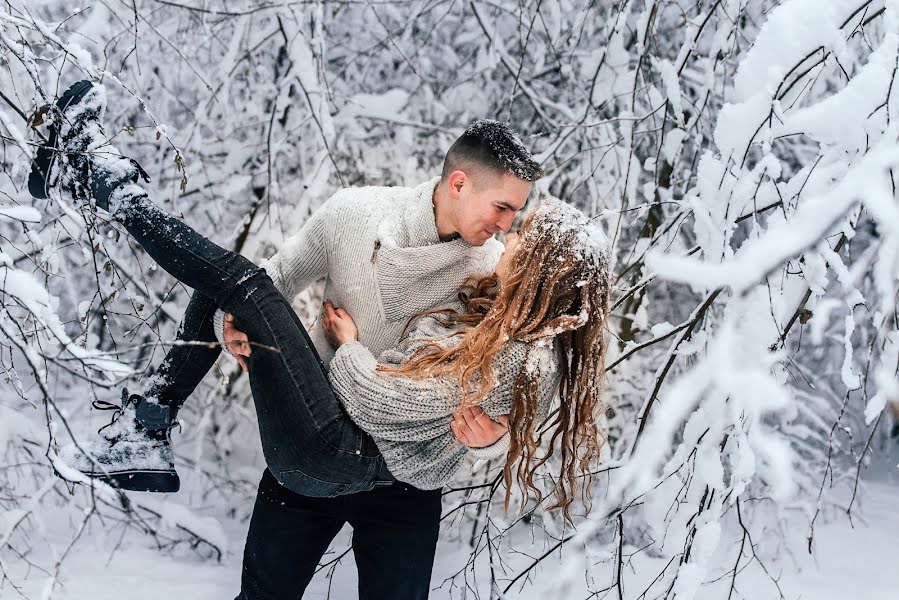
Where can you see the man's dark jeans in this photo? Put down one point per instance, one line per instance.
(315, 454)
(394, 539)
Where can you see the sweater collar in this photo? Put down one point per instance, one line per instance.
(414, 279)
(419, 216)
(416, 271)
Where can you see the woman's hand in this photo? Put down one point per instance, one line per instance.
(474, 428)
(338, 326)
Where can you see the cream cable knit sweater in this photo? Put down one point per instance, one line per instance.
(409, 419)
(383, 261)
(379, 250)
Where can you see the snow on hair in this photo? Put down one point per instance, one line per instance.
(496, 146)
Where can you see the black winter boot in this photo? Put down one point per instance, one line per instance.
(134, 451)
(90, 166)
(42, 167)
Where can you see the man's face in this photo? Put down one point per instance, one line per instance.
(487, 205)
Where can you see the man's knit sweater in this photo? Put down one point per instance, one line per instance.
(383, 261)
(409, 419)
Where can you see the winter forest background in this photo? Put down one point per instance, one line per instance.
(740, 154)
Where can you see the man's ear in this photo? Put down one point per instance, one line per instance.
(455, 182)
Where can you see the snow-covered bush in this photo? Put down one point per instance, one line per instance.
(740, 154)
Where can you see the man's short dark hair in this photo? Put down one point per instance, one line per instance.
(492, 146)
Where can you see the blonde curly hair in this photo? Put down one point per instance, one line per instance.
(557, 291)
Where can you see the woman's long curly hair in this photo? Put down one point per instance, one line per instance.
(556, 292)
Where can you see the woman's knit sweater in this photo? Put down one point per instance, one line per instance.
(383, 261)
(409, 419)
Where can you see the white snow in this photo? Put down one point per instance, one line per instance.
(791, 31)
(850, 559)
(814, 219)
(298, 100)
(672, 88)
(26, 214)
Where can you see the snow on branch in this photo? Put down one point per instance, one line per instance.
(741, 154)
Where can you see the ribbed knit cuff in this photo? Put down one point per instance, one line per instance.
(218, 324)
(496, 450)
(352, 351)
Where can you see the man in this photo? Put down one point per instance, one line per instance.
(386, 254)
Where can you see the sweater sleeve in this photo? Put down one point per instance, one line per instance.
(494, 450)
(301, 260)
(391, 407)
(549, 384)
(400, 408)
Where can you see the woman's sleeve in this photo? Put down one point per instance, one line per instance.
(393, 407)
(402, 408)
(495, 450)
(549, 383)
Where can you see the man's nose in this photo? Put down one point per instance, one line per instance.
(505, 222)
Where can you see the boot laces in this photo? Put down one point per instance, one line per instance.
(127, 400)
(118, 408)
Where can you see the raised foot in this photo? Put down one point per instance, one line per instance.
(134, 451)
(90, 166)
(42, 165)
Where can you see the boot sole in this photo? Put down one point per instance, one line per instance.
(141, 481)
(46, 154)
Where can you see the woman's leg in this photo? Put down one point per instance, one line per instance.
(195, 351)
(309, 442)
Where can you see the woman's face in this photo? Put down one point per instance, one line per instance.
(502, 267)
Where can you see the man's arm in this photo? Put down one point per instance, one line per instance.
(485, 438)
(488, 439)
(301, 260)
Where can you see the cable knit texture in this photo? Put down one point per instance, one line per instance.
(383, 262)
(409, 419)
(379, 250)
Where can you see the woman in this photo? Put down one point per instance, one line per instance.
(513, 338)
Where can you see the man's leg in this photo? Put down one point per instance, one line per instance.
(288, 535)
(395, 533)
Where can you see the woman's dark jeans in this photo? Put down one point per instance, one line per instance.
(310, 444)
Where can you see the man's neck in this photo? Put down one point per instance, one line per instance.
(446, 231)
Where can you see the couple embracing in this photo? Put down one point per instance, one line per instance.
(428, 350)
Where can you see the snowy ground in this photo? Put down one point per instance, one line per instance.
(850, 562)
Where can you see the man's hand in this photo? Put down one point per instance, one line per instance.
(338, 326)
(474, 428)
(237, 342)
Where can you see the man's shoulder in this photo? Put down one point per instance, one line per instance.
(370, 199)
